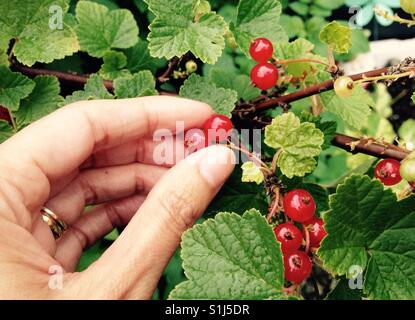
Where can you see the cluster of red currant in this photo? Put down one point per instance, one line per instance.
(264, 75)
(299, 207)
(216, 129)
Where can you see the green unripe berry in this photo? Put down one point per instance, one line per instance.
(408, 6)
(407, 170)
(191, 66)
(343, 87)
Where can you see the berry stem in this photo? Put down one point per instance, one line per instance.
(170, 69)
(13, 122)
(289, 61)
(386, 77)
(307, 238)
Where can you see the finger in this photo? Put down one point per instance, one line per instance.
(100, 185)
(63, 140)
(92, 226)
(164, 153)
(132, 268)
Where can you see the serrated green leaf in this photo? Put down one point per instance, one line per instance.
(369, 228)
(327, 127)
(13, 88)
(43, 100)
(240, 83)
(175, 31)
(298, 142)
(99, 29)
(139, 58)
(252, 173)
(354, 110)
(258, 18)
(94, 89)
(338, 37)
(220, 99)
(114, 66)
(36, 26)
(139, 85)
(6, 130)
(231, 257)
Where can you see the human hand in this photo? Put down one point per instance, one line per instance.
(101, 153)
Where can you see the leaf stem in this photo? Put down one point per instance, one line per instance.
(13, 122)
(396, 18)
(289, 61)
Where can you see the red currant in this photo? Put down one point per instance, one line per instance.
(195, 140)
(264, 75)
(218, 128)
(299, 205)
(316, 231)
(297, 266)
(387, 171)
(289, 236)
(261, 50)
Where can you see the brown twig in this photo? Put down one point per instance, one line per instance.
(170, 69)
(340, 140)
(310, 91)
(379, 150)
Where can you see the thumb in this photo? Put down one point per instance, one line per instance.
(132, 266)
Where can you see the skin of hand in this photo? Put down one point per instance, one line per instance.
(101, 153)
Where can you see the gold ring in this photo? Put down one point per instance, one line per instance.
(56, 225)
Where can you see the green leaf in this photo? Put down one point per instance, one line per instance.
(299, 8)
(338, 37)
(175, 31)
(94, 89)
(6, 130)
(240, 83)
(368, 227)
(39, 36)
(298, 142)
(300, 48)
(114, 66)
(231, 258)
(258, 18)
(293, 26)
(238, 197)
(354, 110)
(342, 291)
(252, 173)
(327, 127)
(100, 30)
(139, 58)
(407, 131)
(43, 100)
(139, 85)
(13, 88)
(198, 88)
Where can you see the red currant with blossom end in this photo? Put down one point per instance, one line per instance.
(316, 231)
(297, 266)
(299, 205)
(194, 140)
(261, 50)
(217, 128)
(387, 171)
(289, 236)
(264, 75)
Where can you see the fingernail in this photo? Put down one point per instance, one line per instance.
(216, 163)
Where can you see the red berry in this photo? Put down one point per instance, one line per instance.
(289, 236)
(387, 171)
(218, 128)
(316, 231)
(261, 50)
(299, 205)
(297, 266)
(195, 140)
(264, 75)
